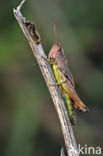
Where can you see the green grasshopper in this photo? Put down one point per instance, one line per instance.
(65, 80)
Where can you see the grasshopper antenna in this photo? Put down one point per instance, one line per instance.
(55, 33)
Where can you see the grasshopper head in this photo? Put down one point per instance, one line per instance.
(56, 52)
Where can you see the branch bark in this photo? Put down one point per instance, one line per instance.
(46, 70)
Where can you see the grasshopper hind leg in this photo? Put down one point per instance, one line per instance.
(81, 107)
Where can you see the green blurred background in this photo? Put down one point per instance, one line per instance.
(29, 124)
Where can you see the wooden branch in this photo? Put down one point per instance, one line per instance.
(62, 152)
(46, 70)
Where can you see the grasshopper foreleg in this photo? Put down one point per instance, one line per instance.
(51, 61)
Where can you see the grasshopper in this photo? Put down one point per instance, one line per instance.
(65, 80)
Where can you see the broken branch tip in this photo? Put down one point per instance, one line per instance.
(21, 4)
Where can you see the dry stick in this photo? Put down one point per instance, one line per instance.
(62, 152)
(46, 70)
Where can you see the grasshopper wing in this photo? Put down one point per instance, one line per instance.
(68, 87)
(65, 70)
(68, 75)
